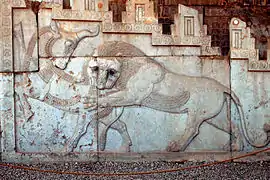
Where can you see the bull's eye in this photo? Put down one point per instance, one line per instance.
(95, 68)
(111, 72)
(69, 45)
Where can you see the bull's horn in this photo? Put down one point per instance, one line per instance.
(88, 33)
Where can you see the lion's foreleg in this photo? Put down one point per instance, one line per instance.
(128, 97)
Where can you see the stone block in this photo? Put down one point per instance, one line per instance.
(252, 90)
(25, 52)
(149, 115)
(51, 109)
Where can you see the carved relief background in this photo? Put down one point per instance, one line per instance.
(83, 86)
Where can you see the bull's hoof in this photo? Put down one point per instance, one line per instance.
(173, 146)
(29, 115)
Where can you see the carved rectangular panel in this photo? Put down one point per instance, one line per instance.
(189, 25)
(237, 38)
(25, 52)
(5, 38)
(7, 112)
(140, 11)
(89, 5)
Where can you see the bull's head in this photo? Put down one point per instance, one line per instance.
(105, 71)
(68, 42)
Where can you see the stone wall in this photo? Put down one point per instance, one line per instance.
(75, 85)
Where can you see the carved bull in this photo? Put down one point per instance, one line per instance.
(37, 85)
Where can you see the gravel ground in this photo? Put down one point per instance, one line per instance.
(233, 171)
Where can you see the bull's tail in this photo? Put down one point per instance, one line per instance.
(243, 122)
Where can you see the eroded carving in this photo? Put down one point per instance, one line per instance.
(53, 70)
(142, 81)
(24, 36)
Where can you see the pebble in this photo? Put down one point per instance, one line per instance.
(249, 170)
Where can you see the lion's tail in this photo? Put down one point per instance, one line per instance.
(243, 122)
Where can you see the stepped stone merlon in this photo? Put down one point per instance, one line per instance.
(240, 35)
(139, 11)
(189, 19)
(242, 46)
(188, 28)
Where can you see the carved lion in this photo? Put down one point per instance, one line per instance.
(139, 80)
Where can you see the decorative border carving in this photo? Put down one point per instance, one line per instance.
(6, 58)
(84, 15)
(161, 39)
(132, 28)
(6, 29)
(108, 26)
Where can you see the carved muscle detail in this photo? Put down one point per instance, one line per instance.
(141, 82)
(162, 102)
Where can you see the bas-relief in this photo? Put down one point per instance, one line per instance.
(96, 91)
(253, 89)
(24, 41)
(144, 82)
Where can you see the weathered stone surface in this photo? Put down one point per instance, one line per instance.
(252, 89)
(144, 124)
(25, 52)
(125, 87)
(7, 113)
(63, 108)
(6, 52)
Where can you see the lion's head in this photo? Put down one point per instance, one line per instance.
(105, 71)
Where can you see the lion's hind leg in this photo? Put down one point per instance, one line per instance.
(191, 131)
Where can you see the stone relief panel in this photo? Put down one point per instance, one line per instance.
(253, 90)
(146, 83)
(6, 52)
(25, 52)
(153, 129)
(129, 88)
(6, 112)
(251, 86)
(53, 101)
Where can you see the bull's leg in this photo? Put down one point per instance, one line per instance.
(73, 142)
(25, 104)
(47, 88)
(120, 127)
(108, 121)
